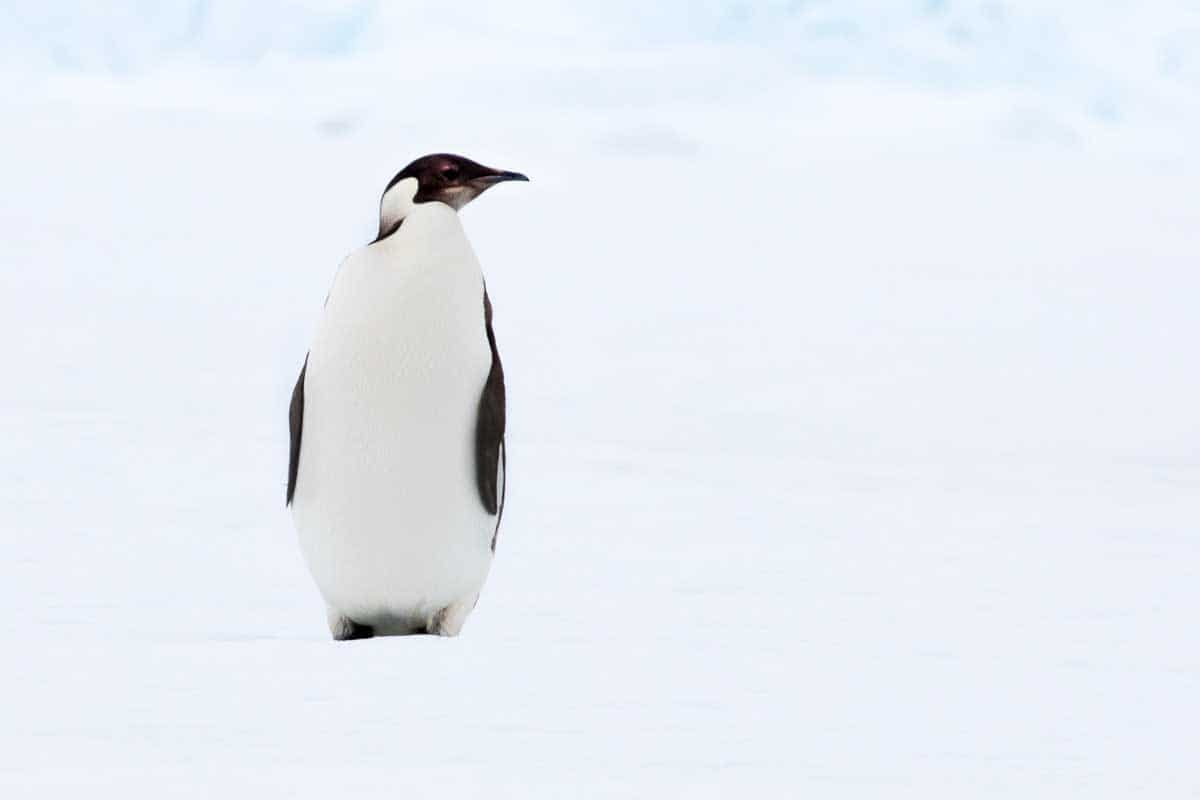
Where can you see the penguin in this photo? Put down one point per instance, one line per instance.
(396, 474)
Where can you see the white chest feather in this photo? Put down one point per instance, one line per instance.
(386, 503)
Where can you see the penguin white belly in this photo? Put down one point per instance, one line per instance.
(386, 503)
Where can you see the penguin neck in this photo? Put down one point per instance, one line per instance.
(396, 204)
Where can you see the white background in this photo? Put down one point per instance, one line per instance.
(851, 350)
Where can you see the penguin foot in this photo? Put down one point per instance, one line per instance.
(344, 629)
(449, 621)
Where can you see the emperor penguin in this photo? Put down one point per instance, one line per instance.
(396, 471)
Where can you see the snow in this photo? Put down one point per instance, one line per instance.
(853, 443)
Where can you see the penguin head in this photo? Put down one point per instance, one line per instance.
(452, 179)
(441, 177)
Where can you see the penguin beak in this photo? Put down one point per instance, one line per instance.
(499, 177)
(463, 193)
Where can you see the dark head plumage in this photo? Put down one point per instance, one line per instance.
(450, 179)
(444, 178)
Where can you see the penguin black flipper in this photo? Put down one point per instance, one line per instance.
(489, 429)
(296, 426)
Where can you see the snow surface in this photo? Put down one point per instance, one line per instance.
(854, 448)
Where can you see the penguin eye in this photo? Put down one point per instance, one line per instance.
(450, 173)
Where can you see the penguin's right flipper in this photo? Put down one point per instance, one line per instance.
(296, 426)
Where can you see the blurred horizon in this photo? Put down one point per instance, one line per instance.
(1122, 78)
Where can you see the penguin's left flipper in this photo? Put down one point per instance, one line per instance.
(489, 429)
